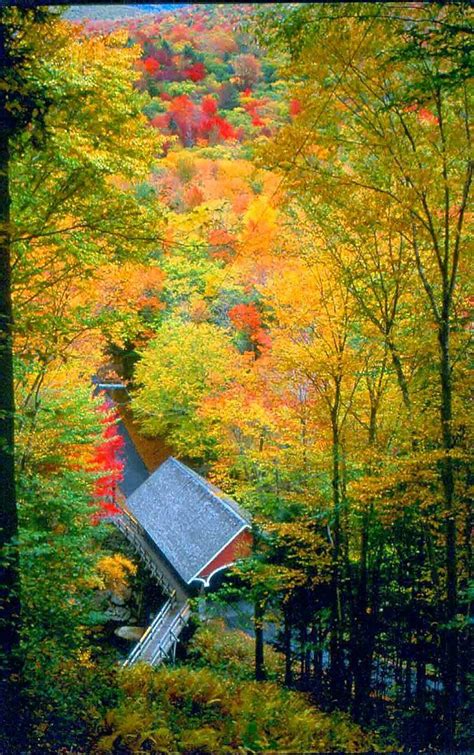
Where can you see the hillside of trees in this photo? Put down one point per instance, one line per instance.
(258, 218)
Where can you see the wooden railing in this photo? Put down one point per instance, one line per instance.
(147, 638)
(131, 529)
(160, 639)
(169, 641)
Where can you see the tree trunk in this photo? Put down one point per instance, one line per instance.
(317, 660)
(447, 479)
(401, 379)
(363, 624)
(337, 669)
(260, 674)
(287, 647)
(9, 556)
(420, 690)
(363, 640)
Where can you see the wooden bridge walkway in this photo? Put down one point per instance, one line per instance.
(160, 639)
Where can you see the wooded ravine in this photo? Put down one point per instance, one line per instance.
(255, 221)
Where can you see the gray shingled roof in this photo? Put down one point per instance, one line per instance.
(189, 519)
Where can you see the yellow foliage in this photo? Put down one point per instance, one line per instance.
(115, 571)
(188, 710)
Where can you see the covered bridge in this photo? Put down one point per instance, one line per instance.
(196, 529)
(186, 531)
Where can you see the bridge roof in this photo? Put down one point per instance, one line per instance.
(188, 518)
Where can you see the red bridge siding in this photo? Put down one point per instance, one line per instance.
(237, 548)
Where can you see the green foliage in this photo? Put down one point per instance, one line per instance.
(59, 548)
(186, 271)
(184, 362)
(231, 653)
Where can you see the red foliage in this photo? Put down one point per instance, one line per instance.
(246, 317)
(196, 72)
(252, 108)
(262, 339)
(226, 130)
(222, 244)
(108, 464)
(160, 121)
(426, 116)
(219, 236)
(151, 65)
(209, 105)
(182, 119)
(193, 196)
(295, 107)
(192, 122)
(181, 33)
(252, 105)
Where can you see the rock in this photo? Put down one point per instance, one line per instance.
(130, 633)
(122, 597)
(118, 613)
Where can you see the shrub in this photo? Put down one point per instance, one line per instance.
(231, 652)
(197, 711)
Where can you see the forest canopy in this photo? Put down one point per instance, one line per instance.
(257, 219)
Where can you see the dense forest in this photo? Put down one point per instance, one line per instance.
(257, 219)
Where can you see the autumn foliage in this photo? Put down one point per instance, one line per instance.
(108, 464)
(193, 123)
(246, 318)
(267, 235)
(330, 264)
